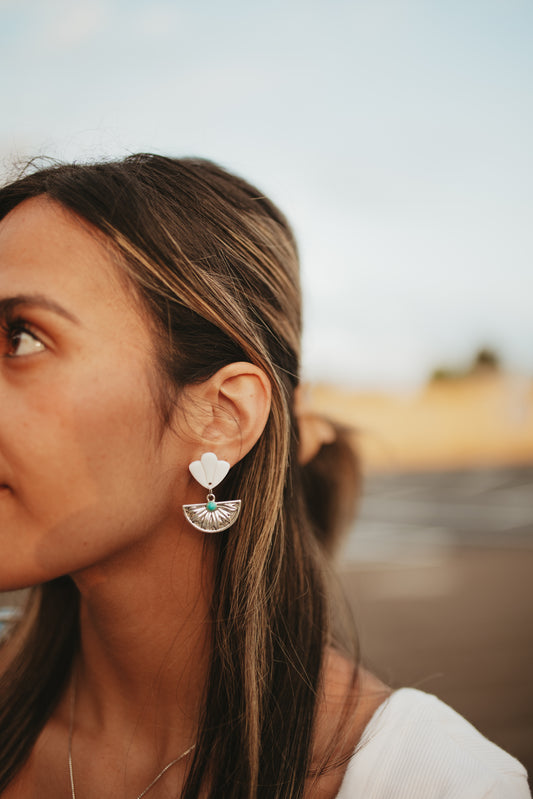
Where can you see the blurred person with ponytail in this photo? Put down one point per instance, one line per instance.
(173, 520)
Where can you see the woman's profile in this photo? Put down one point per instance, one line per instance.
(171, 519)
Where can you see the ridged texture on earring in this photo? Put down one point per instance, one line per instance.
(213, 521)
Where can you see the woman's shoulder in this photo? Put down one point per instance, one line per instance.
(417, 747)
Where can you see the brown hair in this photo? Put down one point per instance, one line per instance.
(216, 265)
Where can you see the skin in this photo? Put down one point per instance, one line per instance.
(92, 487)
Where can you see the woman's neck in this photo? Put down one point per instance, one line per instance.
(146, 637)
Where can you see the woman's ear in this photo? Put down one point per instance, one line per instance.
(235, 404)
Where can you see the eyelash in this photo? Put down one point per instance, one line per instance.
(12, 328)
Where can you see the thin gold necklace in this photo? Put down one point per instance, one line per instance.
(71, 771)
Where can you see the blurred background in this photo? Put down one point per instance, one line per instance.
(396, 135)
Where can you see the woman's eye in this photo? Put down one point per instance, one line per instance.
(22, 342)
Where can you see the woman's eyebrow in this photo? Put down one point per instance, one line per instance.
(8, 305)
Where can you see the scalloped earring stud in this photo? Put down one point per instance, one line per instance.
(211, 516)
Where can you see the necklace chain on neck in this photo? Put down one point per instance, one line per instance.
(70, 733)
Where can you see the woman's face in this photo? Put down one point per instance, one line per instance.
(84, 469)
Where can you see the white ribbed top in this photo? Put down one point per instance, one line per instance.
(416, 747)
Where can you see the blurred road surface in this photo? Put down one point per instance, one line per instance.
(439, 574)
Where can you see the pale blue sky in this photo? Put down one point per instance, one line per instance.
(396, 135)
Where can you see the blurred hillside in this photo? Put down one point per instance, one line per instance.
(481, 418)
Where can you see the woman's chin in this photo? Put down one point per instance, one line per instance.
(16, 582)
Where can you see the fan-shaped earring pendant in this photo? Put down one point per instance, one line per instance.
(211, 516)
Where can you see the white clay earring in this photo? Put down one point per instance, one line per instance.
(211, 516)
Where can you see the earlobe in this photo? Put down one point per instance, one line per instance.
(239, 395)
